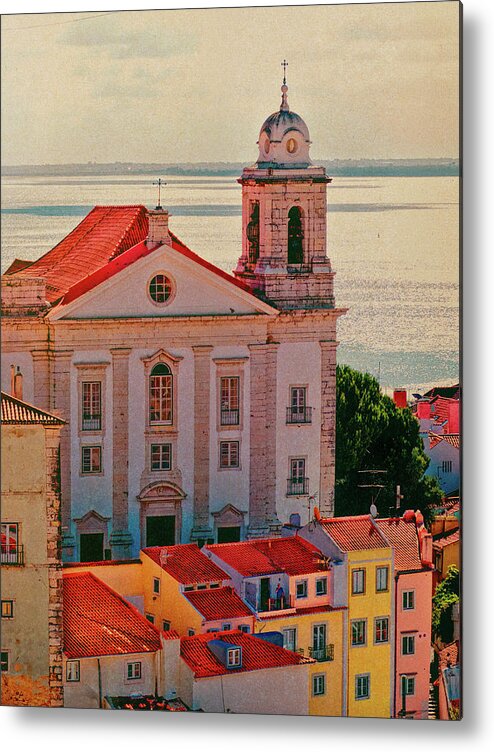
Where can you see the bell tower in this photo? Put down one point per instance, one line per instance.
(284, 217)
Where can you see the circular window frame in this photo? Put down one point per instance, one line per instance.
(171, 297)
(296, 146)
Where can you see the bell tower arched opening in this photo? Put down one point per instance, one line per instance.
(295, 236)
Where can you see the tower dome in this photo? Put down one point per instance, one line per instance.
(284, 139)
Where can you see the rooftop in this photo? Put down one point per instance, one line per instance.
(450, 438)
(358, 533)
(404, 539)
(17, 412)
(262, 556)
(447, 540)
(98, 621)
(186, 563)
(257, 654)
(444, 391)
(220, 603)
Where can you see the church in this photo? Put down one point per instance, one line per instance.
(198, 405)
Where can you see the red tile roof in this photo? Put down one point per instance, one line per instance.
(444, 391)
(260, 556)
(106, 232)
(257, 654)
(448, 656)
(17, 265)
(186, 563)
(98, 621)
(219, 603)
(170, 634)
(447, 540)
(451, 438)
(17, 412)
(357, 533)
(267, 615)
(404, 540)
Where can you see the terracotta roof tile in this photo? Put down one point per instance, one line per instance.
(404, 540)
(257, 654)
(448, 656)
(106, 232)
(451, 438)
(219, 603)
(447, 540)
(17, 412)
(186, 563)
(357, 533)
(292, 555)
(98, 621)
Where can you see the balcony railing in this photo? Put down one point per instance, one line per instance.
(11, 554)
(297, 486)
(91, 423)
(299, 414)
(230, 417)
(325, 653)
(277, 604)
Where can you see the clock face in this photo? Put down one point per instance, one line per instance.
(291, 146)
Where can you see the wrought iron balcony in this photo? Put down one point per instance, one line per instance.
(297, 487)
(325, 653)
(91, 422)
(230, 417)
(12, 554)
(299, 414)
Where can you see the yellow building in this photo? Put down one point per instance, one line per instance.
(361, 562)
(31, 647)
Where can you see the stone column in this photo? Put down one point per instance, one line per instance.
(120, 539)
(263, 518)
(328, 427)
(54, 568)
(202, 393)
(60, 398)
(41, 373)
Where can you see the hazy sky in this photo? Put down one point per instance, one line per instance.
(372, 81)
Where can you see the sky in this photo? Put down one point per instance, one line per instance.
(371, 81)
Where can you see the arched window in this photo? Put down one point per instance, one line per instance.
(253, 232)
(161, 394)
(295, 236)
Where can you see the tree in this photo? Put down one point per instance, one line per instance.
(373, 434)
(447, 593)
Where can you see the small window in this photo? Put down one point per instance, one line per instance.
(319, 684)
(408, 600)
(229, 454)
(213, 585)
(73, 671)
(150, 618)
(408, 645)
(188, 588)
(91, 459)
(301, 589)
(202, 587)
(230, 393)
(290, 639)
(191, 632)
(226, 627)
(161, 457)
(213, 629)
(156, 585)
(408, 685)
(134, 670)
(359, 629)
(7, 609)
(11, 551)
(382, 576)
(322, 586)
(166, 626)
(358, 581)
(4, 661)
(234, 657)
(362, 686)
(447, 466)
(381, 630)
(160, 288)
(244, 628)
(91, 406)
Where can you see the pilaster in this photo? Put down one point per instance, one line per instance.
(41, 373)
(328, 427)
(202, 391)
(120, 539)
(62, 360)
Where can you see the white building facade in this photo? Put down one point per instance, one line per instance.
(199, 406)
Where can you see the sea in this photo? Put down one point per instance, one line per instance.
(393, 242)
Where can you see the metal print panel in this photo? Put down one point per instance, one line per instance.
(231, 423)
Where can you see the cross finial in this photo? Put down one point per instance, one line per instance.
(159, 183)
(284, 65)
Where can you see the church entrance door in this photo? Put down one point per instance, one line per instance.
(160, 530)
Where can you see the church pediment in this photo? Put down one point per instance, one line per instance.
(229, 515)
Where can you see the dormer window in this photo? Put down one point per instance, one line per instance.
(234, 658)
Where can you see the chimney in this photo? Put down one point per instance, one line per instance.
(16, 382)
(158, 226)
(423, 409)
(400, 397)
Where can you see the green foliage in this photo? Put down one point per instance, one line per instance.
(373, 434)
(447, 593)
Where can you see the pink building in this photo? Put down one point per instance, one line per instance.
(412, 547)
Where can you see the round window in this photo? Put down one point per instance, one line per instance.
(291, 146)
(267, 146)
(160, 288)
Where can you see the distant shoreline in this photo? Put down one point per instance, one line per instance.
(337, 167)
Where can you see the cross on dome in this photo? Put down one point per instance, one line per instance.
(284, 90)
